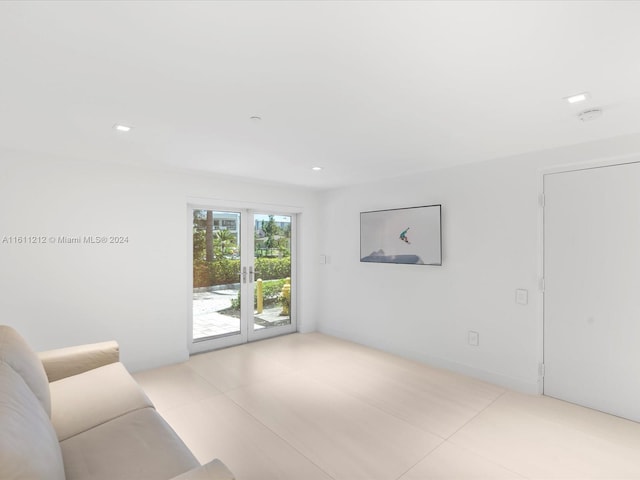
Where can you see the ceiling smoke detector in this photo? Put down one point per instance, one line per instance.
(590, 114)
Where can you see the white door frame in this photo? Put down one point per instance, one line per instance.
(247, 332)
(572, 167)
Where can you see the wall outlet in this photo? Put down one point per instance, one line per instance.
(522, 296)
(473, 338)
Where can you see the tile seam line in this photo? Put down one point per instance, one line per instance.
(478, 413)
(279, 436)
(505, 392)
(384, 412)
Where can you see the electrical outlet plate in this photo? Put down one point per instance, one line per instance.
(473, 338)
(522, 296)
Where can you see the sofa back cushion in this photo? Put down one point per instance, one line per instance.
(29, 447)
(16, 352)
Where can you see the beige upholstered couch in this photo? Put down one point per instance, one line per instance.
(76, 413)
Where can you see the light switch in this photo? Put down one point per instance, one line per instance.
(522, 297)
(323, 259)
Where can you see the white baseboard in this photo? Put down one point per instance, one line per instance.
(516, 384)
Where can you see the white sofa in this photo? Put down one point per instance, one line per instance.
(77, 414)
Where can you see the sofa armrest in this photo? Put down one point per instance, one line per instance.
(65, 362)
(214, 470)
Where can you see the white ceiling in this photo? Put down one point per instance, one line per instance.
(366, 90)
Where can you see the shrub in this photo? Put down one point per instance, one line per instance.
(271, 291)
(201, 276)
(271, 294)
(273, 268)
(223, 271)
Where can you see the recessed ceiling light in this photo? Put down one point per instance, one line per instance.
(578, 97)
(316, 169)
(122, 128)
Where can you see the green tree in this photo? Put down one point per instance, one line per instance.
(199, 236)
(198, 245)
(209, 236)
(225, 243)
(271, 231)
(203, 235)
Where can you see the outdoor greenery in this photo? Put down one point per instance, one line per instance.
(271, 294)
(271, 240)
(216, 253)
(224, 271)
(210, 244)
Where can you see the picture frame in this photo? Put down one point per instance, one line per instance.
(409, 236)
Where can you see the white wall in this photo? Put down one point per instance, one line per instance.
(135, 293)
(61, 295)
(491, 248)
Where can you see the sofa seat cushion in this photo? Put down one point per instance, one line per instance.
(137, 446)
(83, 401)
(29, 448)
(16, 352)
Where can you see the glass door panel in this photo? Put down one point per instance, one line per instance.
(272, 274)
(217, 310)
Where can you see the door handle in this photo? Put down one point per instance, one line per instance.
(253, 274)
(244, 274)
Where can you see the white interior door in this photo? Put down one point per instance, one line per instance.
(592, 288)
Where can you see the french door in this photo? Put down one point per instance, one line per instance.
(243, 282)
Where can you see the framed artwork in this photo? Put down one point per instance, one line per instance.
(410, 236)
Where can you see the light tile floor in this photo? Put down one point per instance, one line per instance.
(307, 407)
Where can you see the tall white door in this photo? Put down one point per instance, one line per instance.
(592, 288)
